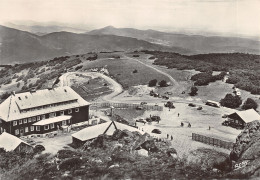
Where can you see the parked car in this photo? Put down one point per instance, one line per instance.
(143, 103)
(232, 124)
(169, 104)
(225, 116)
(140, 120)
(139, 108)
(192, 105)
(156, 131)
(199, 108)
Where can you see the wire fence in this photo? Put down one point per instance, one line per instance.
(212, 141)
(126, 106)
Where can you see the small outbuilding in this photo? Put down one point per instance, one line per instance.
(12, 143)
(81, 137)
(241, 118)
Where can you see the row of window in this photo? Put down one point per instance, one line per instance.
(48, 106)
(37, 128)
(33, 119)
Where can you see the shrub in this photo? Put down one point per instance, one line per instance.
(135, 71)
(5, 95)
(65, 153)
(193, 90)
(70, 163)
(163, 83)
(249, 104)
(152, 83)
(78, 67)
(231, 101)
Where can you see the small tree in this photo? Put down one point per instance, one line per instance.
(163, 83)
(193, 90)
(249, 104)
(152, 83)
(231, 101)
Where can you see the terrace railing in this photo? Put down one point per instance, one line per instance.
(212, 141)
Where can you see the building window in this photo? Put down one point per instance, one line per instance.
(34, 119)
(77, 110)
(37, 128)
(62, 113)
(52, 115)
(32, 128)
(16, 131)
(69, 111)
(14, 123)
(69, 121)
(43, 116)
(52, 125)
(29, 120)
(26, 129)
(38, 118)
(46, 127)
(20, 121)
(64, 123)
(25, 121)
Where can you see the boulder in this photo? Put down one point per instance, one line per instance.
(142, 152)
(247, 143)
(171, 152)
(246, 152)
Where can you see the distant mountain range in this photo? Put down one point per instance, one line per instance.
(195, 43)
(38, 29)
(18, 46)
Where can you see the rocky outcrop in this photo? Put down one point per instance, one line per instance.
(246, 151)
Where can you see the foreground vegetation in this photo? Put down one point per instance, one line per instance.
(111, 157)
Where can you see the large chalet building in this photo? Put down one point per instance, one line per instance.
(43, 111)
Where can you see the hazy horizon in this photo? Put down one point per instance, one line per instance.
(206, 17)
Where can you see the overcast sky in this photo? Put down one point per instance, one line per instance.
(221, 16)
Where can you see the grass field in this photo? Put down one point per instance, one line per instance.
(122, 71)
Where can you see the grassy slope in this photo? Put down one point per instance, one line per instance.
(122, 71)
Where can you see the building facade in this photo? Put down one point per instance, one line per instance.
(42, 111)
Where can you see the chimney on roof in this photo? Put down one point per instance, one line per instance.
(13, 93)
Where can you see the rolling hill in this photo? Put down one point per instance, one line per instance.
(195, 43)
(19, 46)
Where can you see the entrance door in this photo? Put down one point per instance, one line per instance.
(21, 132)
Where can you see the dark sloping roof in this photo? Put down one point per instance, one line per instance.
(11, 108)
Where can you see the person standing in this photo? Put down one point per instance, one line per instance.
(171, 138)
(178, 114)
(167, 136)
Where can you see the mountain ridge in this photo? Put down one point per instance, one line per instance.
(195, 43)
(20, 46)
